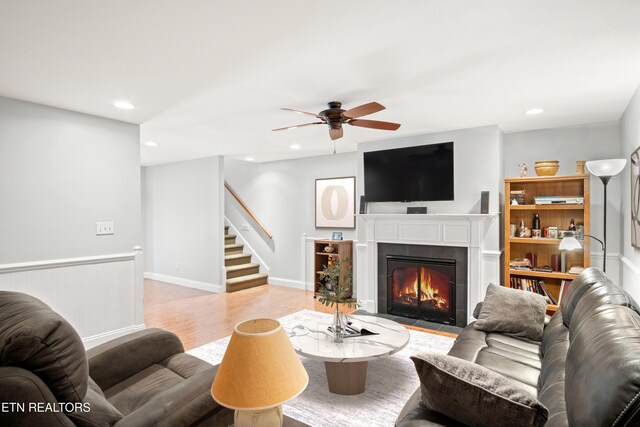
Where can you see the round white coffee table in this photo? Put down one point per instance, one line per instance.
(346, 362)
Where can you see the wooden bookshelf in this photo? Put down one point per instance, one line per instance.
(557, 215)
(343, 252)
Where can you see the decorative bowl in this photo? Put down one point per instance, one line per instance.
(547, 167)
(329, 249)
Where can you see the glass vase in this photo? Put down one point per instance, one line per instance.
(338, 326)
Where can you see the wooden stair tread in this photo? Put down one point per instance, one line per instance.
(236, 256)
(242, 266)
(234, 246)
(247, 278)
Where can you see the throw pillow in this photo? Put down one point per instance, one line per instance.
(474, 395)
(512, 311)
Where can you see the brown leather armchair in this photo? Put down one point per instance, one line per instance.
(142, 379)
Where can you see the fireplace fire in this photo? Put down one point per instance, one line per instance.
(422, 288)
(436, 296)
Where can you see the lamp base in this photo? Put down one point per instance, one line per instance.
(271, 417)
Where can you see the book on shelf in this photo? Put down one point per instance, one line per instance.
(520, 264)
(564, 285)
(543, 269)
(533, 285)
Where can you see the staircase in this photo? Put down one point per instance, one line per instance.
(241, 272)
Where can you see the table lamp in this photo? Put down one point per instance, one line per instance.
(570, 243)
(259, 372)
(605, 170)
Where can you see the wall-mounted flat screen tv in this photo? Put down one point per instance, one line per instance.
(412, 174)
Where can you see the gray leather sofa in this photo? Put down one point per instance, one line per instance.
(142, 379)
(586, 370)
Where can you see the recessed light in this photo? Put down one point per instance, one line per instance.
(295, 146)
(249, 159)
(151, 144)
(124, 105)
(533, 111)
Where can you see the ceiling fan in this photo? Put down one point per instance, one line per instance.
(335, 117)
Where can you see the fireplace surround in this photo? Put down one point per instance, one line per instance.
(475, 234)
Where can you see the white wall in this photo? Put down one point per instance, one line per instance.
(630, 135)
(477, 154)
(568, 144)
(184, 223)
(282, 196)
(60, 173)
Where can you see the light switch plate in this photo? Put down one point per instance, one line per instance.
(104, 228)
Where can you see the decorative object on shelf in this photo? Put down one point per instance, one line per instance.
(536, 221)
(522, 229)
(339, 280)
(336, 235)
(553, 232)
(635, 198)
(329, 249)
(524, 170)
(533, 257)
(335, 202)
(572, 225)
(580, 167)
(512, 230)
(536, 234)
(259, 357)
(605, 170)
(570, 243)
(547, 167)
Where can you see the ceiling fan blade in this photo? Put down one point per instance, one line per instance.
(375, 124)
(363, 110)
(301, 112)
(336, 133)
(299, 126)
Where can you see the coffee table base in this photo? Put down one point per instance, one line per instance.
(346, 378)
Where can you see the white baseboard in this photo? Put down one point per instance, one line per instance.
(209, 287)
(297, 284)
(95, 340)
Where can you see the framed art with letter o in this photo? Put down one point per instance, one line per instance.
(336, 202)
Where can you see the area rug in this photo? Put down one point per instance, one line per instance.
(390, 382)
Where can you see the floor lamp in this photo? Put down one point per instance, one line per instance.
(605, 170)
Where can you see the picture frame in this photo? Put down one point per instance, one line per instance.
(336, 202)
(336, 235)
(635, 198)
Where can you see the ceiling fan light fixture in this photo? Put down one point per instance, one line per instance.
(534, 111)
(151, 144)
(295, 146)
(249, 159)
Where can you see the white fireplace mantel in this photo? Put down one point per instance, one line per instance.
(463, 230)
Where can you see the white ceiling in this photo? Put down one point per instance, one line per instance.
(208, 77)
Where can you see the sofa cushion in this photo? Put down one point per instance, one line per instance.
(513, 312)
(35, 338)
(179, 387)
(96, 410)
(603, 368)
(474, 395)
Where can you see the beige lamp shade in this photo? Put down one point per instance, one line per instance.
(260, 369)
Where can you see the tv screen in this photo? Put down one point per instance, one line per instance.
(412, 174)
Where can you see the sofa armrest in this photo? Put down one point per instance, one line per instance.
(27, 394)
(114, 361)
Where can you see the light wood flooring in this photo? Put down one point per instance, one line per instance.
(199, 317)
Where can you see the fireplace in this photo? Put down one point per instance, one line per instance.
(422, 288)
(438, 274)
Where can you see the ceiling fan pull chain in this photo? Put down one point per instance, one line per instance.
(334, 147)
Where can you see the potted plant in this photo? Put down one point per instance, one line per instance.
(335, 286)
